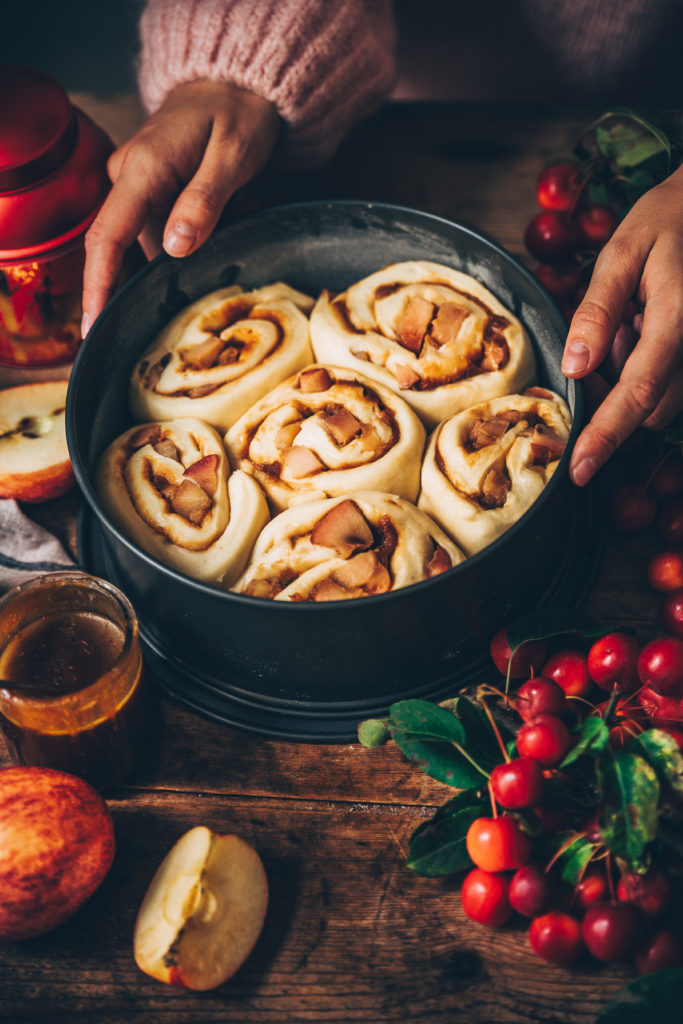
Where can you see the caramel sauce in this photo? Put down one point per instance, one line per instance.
(61, 653)
(73, 696)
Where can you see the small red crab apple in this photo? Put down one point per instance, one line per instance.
(545, 739)
(660, 666)
(611, 930)
(556, 937)
(203, 911)
(569, 669)
(497, 844)
(517, 784)
(558, 186)
(527, 658)
(541, 696)
(485, 898)
(612, 661)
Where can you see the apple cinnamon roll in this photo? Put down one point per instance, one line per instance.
(339, 548)
(216, 357)
(168, 486)
(325, 432)
(487, 465)
(435, 335)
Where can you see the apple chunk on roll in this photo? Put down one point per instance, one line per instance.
(168, 486)
(433, 334)
(334, 549)
(487, 465)
(325, 432)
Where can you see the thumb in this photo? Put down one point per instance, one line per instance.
(200, 204)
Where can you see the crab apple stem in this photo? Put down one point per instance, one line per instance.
(565, 846)
(610, 880)
(496, 731)
(611, 704)
(494, 808)
(467, 757)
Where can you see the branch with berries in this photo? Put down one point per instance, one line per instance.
(582, 199)
(569, 810)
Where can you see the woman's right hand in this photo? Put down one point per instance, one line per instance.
(173, 178)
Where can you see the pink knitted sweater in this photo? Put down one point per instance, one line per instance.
(327, 63)
(323, 63)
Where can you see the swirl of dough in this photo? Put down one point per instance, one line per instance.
(487, 465)
(221, 353)
(334, 549)
(167, 485)
(434, 334)
(325, 432)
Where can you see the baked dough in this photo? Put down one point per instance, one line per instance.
(220, 354)
(433, 334)
(167, 485)
(325, 432)
(366, 543)
(487, 465)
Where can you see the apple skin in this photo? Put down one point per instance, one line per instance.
(34, 468)
(56, 846)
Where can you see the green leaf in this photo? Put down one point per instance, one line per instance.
(630, 794)
(420, 719)
(627, 139)
(373, 732)
(480, 738)
(543, 623)
(593, 737)
(438, 846)
(573, 861)
(440, 761)
(654, 997)
(661, 751)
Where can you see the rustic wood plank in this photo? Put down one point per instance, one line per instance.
(351, 935)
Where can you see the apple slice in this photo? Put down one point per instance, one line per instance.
(203, 911)
(34, 458)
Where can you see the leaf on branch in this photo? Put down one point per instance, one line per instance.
(420, 719)
(630, 814)
(480, 738)
(654, 997)
(438, 846)
(575, 859)
(440, 761)
(626, 139)
(661, 751)
(593, 737)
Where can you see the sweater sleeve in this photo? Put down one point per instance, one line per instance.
(323, 64)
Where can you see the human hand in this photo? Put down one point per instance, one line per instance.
(642, 261)
(173, 178)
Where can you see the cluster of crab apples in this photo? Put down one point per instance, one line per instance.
(610, 914)
(567, 232)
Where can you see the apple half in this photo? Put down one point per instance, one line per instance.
(34, 457)
(203, 911)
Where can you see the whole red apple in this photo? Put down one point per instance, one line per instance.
(56, 846)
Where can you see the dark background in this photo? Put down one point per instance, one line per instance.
(87, 46)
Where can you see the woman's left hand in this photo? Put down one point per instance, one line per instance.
(643, 262)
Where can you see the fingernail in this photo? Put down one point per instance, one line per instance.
(180, 239)
(86, 323)
(575, 358)
(583, 472)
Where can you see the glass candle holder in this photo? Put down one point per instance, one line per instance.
(72, 690)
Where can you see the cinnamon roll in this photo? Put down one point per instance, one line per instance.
(433, 334)
(485, 466)
(216, 357)
(364, 544)
(325, 432)
(168, 486)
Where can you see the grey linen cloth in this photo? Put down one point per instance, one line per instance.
(26, 549)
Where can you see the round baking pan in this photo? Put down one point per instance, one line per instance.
(307, 670)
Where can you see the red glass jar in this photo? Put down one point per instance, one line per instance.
(53, 179)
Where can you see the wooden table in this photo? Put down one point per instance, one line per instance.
(351, 935)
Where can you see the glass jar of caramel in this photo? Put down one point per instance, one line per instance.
(72, 691)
